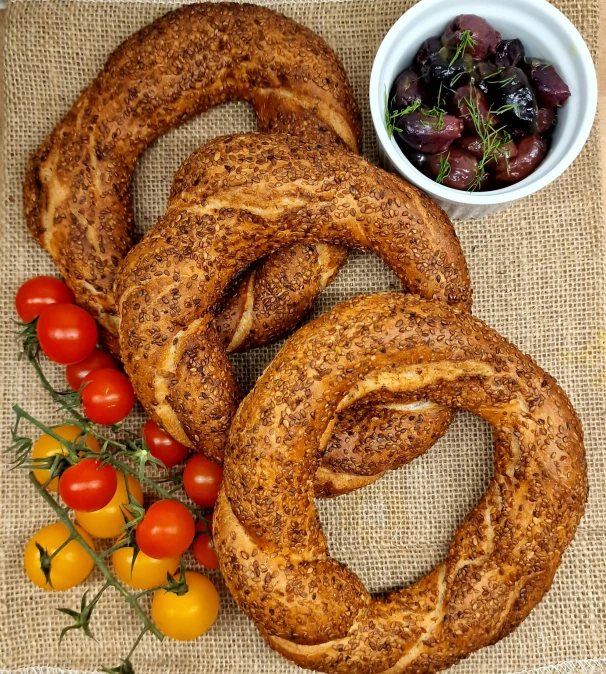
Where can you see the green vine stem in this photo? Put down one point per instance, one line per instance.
(111, 459)
(132, 448)
(98, 560)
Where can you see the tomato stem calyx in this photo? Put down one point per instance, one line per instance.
(110, 580)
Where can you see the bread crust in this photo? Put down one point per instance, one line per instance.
(239, 198)
(77, 191)
(503, 557)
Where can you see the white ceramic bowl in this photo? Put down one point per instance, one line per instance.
(546, 34)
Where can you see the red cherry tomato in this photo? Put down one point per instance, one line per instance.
(167, 530)
(203, 549)
(66, 333)
(162, 446)
(202, 479)
(98, 359)
(39, 293)
(88, 485)
(108, 396)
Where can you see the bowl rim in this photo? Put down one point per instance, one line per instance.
(407, 170)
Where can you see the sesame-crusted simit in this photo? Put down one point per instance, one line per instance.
(77, 191)
(503, 557)
(240, 198)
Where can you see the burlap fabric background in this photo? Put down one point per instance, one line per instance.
(538, 278)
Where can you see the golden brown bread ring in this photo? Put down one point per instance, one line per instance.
(77, 191)
(367, 441)
(502, 559)
(239, 198)
(272, 298)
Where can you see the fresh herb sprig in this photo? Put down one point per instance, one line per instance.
(504, 82)
(444, 168)
(493, 139)
(466, 41)
(437, 111)
(392, 116)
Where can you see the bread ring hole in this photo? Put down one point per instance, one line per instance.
(159, 162)
(393, 532)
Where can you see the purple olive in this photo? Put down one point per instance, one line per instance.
(513, 100)
(456, 168)
(431, 46)
(531, 151)
(480, 110)
(420, 161)
(545, 119)
(484, 36)
(473, 145)
(509, 53)
(503, 157)
(429, 134)
(488, 183)
(406, 90)
(550, 88)
(441, 70)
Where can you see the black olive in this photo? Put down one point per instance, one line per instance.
(550, 88)
(509, 53)
(443, 69)
(485, 37)
(483, 72)
(406, 90)
(420, 161)
(513, 99)
(431, 46)
(429, 134)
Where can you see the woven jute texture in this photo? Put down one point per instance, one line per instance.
(538, 278)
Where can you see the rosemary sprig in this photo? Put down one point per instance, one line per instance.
(493, 139)
(456, 78)
(439, 114)
(496, 72)
(392, 116)
(465, 41)
(503, 109)
(505, 82)
(445, 168)
(437, 111)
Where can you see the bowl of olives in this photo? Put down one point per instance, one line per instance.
(485, 106)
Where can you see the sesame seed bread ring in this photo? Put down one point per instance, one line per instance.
(503, 557)
(77, 191)
(237, 199)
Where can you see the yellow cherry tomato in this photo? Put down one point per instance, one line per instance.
(46, 446)
(147, 572)
(108, 522)
(68, 568)
(187, 616)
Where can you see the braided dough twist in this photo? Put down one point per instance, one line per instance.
(503, 557)
(77, 190)
(240, 198)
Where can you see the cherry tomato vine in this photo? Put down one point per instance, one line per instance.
(127, 454)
